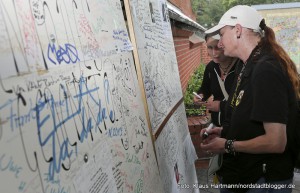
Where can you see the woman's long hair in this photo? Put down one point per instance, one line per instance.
(270, 42)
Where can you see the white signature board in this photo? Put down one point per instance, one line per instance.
(71, 113)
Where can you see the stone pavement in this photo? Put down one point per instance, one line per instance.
(204, 180)
(297, 181)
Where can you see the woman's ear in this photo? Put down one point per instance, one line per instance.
(238, 31)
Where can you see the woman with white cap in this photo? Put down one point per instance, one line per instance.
(217, 80)
(261, 108)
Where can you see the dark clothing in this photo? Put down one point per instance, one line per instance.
(210, 86)
(263, 94)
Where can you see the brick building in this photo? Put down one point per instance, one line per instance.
(188, 38)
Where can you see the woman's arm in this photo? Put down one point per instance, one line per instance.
(273, 141)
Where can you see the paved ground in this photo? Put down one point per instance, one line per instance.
(297, 181)
(205, 180)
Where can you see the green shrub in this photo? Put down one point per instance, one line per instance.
(193, 86)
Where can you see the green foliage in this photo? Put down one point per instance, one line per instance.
(230, 3)
(193, 86)
(195, 5)
(209, 12)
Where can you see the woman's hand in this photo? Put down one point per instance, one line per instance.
(213, 106)
(214, 132)
(198, 100)
(273, 141)
(213, 145)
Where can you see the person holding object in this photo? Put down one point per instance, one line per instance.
(207, 131)
(217, 80)
(261, 108)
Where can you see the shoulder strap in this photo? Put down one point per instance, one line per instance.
(222, 86)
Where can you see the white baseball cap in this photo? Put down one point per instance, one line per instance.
(213, 36)
(216, 37)
(244, 15)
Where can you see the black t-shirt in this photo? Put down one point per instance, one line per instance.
(210, 86)
(264, 94)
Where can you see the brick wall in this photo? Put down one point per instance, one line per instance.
(205, 57)
(189, 56)
(177, 3)
(185, 6)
